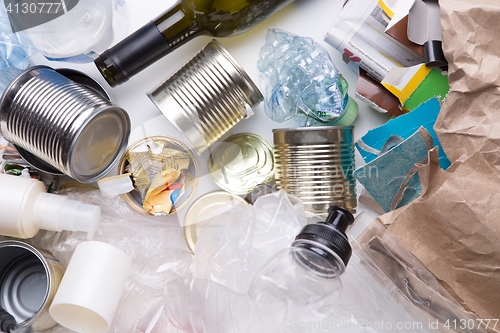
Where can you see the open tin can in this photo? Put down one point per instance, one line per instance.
(134, 198)
(29, 279)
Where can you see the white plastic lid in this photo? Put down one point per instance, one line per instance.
(208, 206)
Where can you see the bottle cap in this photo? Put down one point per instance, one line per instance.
(329, 235)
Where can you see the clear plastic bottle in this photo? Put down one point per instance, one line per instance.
(186, 20)
(300, 81)
(299, 281)
(79, 33)
(307, 272)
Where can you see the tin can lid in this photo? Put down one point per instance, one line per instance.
(207, 206)
(242, 162)
(99, 145)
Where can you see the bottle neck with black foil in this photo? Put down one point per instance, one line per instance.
(183, 22)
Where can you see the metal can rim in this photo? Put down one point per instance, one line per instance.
(43, 261)
(313, 128)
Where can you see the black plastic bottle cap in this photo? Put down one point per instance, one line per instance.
(434, 56)
(331, 234)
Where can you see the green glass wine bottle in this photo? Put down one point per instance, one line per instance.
(186, 20)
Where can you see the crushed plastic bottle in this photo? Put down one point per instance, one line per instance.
(300, 81)
(87, 28)
(15, 50)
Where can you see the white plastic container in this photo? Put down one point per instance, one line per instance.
(26, 208)
(91, 288)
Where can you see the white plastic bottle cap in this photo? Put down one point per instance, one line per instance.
(91, 288)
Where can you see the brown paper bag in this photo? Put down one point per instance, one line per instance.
(470, 118)
(453, 228)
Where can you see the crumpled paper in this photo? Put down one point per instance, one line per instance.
(469, 120)
(453, 228)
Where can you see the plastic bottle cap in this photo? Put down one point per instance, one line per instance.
(330, 235)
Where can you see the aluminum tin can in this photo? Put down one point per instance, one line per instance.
(207, 96)
(29, 279)
(70, 127)
(317, 165)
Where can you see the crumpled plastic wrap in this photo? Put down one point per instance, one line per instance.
(155, 245)
(300, 81)
(140, 236)
(223, 297)
(232, 247)
(169, 291)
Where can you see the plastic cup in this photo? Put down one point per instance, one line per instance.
(91, 288)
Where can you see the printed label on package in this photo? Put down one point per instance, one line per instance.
(26, 14)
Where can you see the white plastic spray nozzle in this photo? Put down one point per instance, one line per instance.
(58, 213)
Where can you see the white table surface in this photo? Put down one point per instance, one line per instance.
(311, 18)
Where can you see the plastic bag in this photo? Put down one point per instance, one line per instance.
(145, 239)
(155, 245)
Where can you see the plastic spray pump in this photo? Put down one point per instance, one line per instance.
(26, 207)
(307, 272)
